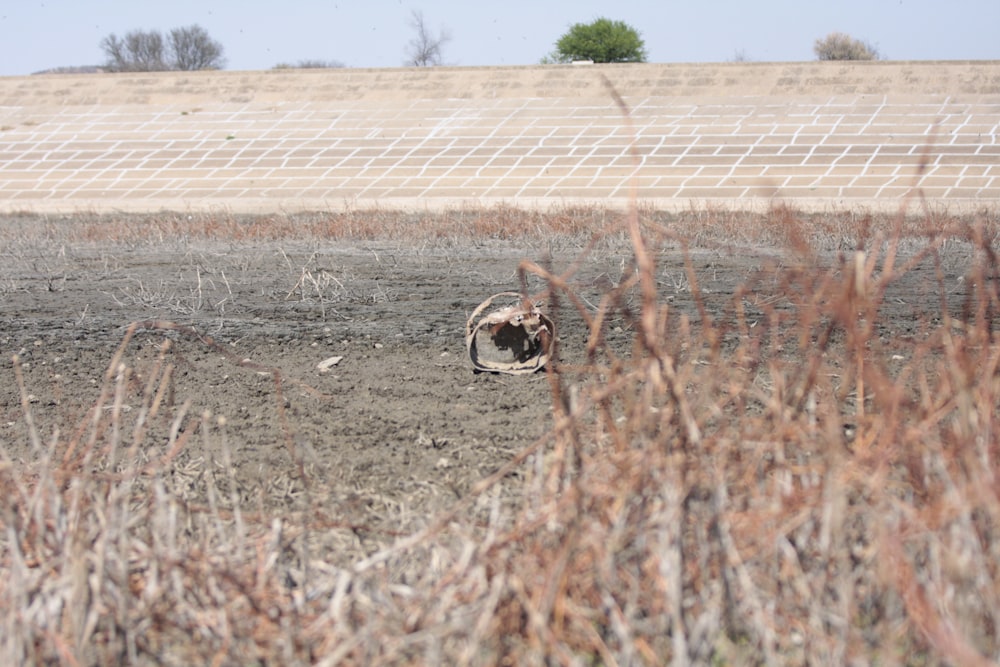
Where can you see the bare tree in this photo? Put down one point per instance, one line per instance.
(192, 49)
(740, 56)
(185, 49)
(138, 51)
(425, 49)
(838, 46)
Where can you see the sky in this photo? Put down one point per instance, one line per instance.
(37, 35)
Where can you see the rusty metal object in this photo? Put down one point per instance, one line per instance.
(515, 339)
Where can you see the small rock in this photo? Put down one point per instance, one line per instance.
(329, 363)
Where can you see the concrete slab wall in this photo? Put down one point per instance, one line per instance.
(815, 135)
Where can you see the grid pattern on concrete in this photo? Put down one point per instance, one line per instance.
(400, 151)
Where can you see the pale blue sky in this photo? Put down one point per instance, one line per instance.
(41, 34)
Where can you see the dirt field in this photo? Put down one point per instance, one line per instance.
(161, 401)
(401, 419)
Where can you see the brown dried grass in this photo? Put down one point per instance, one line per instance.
(698, 227)
(730, 490)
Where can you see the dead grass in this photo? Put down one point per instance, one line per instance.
(841, 229)
(775, 489)
(464, 225)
